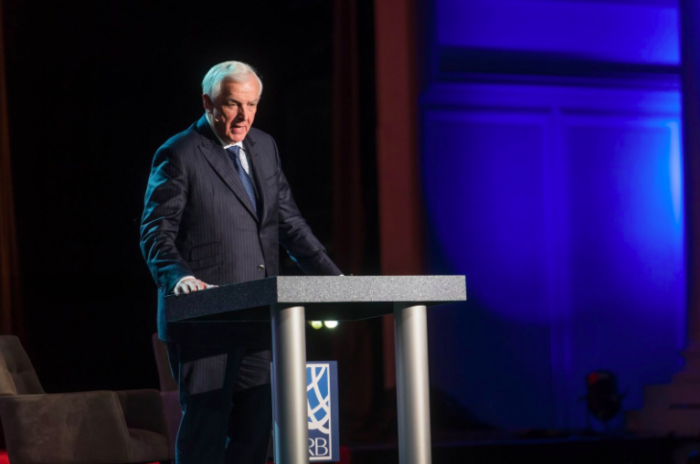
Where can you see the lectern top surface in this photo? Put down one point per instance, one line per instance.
(346, 289)
(360, 292)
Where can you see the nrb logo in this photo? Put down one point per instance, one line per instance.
(321, 390)
(322, 406)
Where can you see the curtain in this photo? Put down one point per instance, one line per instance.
(376, 192)
(353, 346)
(10, 296)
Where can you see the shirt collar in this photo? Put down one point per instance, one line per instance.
(213, 129)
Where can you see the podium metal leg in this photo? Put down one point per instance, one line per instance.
(410, 323)
(289, 356)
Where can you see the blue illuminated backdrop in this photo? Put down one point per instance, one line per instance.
(641, 31)
(557, 190)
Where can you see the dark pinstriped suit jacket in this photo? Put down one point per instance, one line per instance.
(198, 220)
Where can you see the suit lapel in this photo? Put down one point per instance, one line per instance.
(253, 159)
(219, 159)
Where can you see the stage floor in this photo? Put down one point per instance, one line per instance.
(571, 449)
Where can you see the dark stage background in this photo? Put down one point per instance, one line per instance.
(93, 90)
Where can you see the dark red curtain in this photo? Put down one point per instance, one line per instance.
(349, 215)
(10, 320)
(400, 211)
(400, 208)
(355, 344)
(383, 200)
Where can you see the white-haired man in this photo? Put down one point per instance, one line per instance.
(217, 206)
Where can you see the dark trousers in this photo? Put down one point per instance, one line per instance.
(226, 404)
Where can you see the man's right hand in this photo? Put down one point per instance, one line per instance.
(191, 284)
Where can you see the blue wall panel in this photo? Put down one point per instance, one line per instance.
(562, 206)
(621, 32)
(484, 193)
(624, 251)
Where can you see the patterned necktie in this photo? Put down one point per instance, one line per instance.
(233, 151)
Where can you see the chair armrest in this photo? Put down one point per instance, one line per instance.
(65, 428)
(143, 409)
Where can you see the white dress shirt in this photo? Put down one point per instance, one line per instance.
(241, 152)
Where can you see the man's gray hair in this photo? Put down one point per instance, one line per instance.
(236, 71)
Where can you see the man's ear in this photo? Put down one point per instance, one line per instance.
(207, 103)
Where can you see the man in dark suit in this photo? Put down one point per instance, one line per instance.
(216, 208)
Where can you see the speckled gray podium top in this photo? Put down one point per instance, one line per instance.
(324, 298)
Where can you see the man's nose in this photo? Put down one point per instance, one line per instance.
(243, 113)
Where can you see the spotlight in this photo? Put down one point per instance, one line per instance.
(316, 324)
(330, 324)
(603, 398)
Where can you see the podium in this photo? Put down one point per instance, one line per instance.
(287, 302)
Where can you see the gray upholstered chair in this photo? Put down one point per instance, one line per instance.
(99, 427)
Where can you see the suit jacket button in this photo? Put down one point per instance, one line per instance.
(261, 267)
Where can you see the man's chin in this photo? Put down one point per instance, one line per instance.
(235, 138)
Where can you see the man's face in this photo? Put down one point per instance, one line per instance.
(233, 110)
